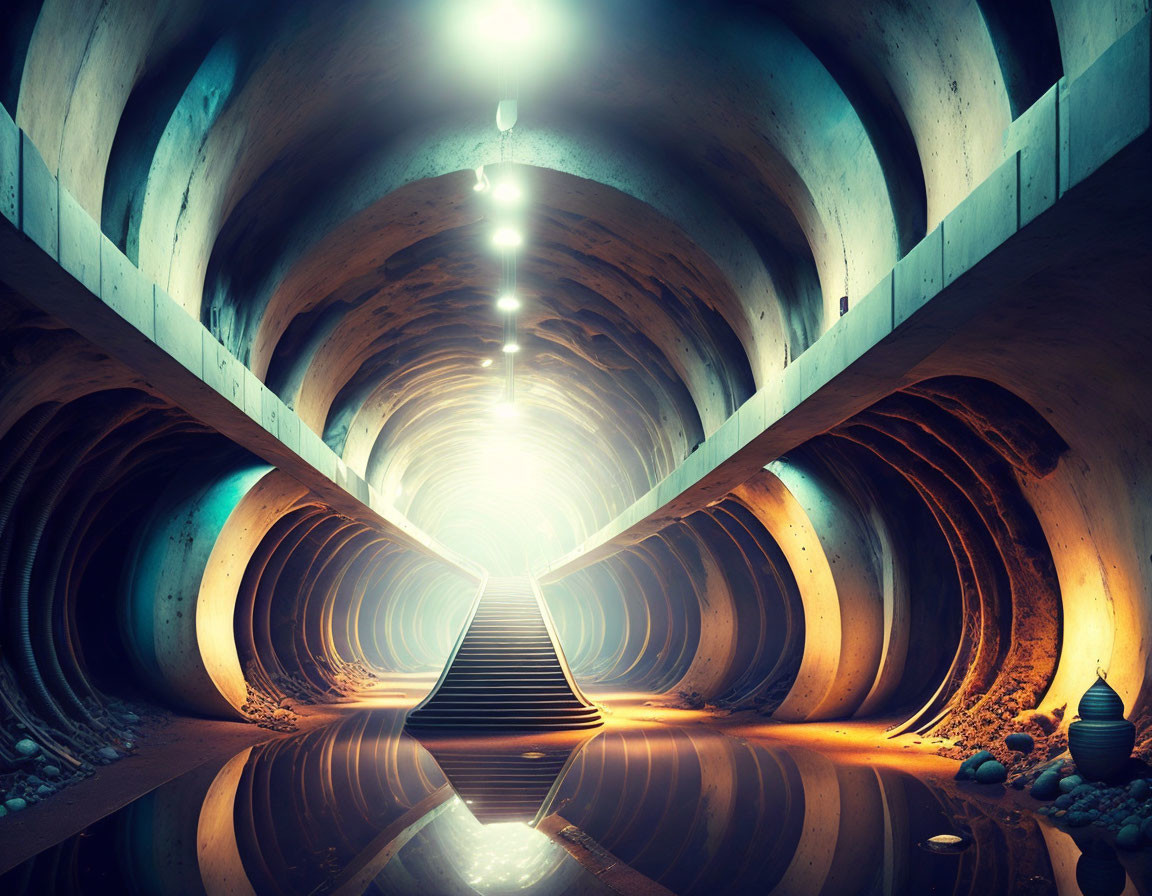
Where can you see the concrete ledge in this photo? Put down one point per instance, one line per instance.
(918, 276)
(39, 200)
(1035, 136)
(178, 333)
(124, 289)
(985, 219)
(9, 168)
(1110, 104)
(79, 242)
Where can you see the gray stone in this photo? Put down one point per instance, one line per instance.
(1077, 819)
(3, 811)
(1063, 801)
(968, 766)
(108, 753)
(991, 772)
(1129, 837)
(51, 771)
(15, 804)
(45, 790)
(1067, 785)
(1020, 742)
(1046, 787)
(1139, 789)
(27, 747)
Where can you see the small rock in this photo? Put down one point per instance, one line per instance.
(991, 772)
(1046, 787)
(3, 810)
(1139, 789)
(15, 804)
(1129, 837)
(1077, 819)
(1131, 819)
(50, 771)
(108, 753)
(27, 747)
(130, 718)
(1020, 742)
(1067, 785)
(45, 790)
(1019, 782)
(968, 766)
(1063, 801)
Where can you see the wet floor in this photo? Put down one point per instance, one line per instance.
(362, 807)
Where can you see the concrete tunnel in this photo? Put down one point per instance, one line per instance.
(832, 398)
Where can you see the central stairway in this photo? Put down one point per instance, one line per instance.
(507, 672)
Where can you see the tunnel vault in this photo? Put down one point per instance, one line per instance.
(833, 381)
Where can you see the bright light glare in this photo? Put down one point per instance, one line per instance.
(506, 410)
(487, 362)
(510, 348)
(508, 302)
(506, 24)
(494, 858)
(481, 180)
(508, 192)
(507, 238)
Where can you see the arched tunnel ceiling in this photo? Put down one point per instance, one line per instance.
(705, 183)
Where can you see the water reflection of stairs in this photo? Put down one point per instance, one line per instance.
(502, 786)
(507, 672)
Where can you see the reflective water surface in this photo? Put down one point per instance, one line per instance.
(362, 807)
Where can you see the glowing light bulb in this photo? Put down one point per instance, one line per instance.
(507, 238)
(508, 302)
(508, 192)
(506, 409)
(487, 362)
(510, 348)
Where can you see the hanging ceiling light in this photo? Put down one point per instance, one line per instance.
(508, 302)
(510, 348)
(507, 238)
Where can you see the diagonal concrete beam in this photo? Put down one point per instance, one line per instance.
(608, 869)
(1076, 165)
(53, 254)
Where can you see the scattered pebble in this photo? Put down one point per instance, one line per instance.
(968, 766)
(1067, 785)
(1047, 786)
(991, 772)
(108, 753)
(1020, 742)
(15, 804)
(27, 747)
(1129, 837)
